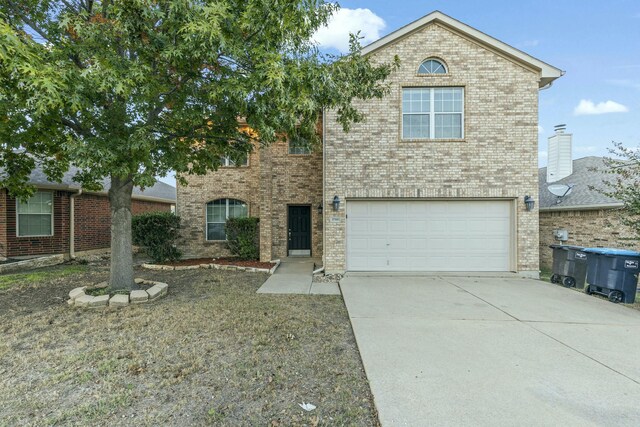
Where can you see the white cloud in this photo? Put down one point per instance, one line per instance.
(344, 21)
(543, 155)
(581, 149)
(530, 43)
(587, 107)
(540, 130)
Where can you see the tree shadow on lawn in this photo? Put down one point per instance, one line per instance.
(211, 352)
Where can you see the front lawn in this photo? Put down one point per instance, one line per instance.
(213, 352)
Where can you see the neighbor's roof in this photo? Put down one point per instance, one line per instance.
(159, 192)
(587, 172)
(548, 73)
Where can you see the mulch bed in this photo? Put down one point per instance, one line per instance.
(221, 261)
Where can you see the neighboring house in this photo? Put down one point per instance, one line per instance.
(433, 180)
(589, 217)
(61, 218)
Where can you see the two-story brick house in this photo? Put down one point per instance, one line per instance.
(435, 179)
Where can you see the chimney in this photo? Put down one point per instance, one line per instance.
(559, 164)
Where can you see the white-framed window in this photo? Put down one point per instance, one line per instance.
(432, 113)
(299, 146)
(218, 211)
(35, 216)
(227, 162)
(432, 66)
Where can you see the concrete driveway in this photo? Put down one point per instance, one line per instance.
(447, 350)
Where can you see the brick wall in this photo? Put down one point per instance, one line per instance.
(93, 219)
(92, 225)
(58, 243)
(496, 159)
(3, 225)
(589, 228)
(273, 180)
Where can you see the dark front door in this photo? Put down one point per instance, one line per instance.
(299, 230)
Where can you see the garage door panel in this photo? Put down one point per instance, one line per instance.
(429, 235)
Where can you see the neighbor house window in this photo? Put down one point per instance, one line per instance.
(35, 216)
(432, 112)
(299, 146)
(218, 212)
(432, 66)
(226, 161)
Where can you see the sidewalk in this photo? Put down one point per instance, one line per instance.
(294, 276)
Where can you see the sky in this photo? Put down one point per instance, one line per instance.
(597, 44)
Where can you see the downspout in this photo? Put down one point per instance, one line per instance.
(72, 225)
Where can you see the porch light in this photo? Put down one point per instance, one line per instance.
(529, 203)
(336, 203)
(319, 208)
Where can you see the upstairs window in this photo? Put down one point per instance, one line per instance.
(35, 216)
(226, 161)
(299, 146)
(432, 66)
(432, 113)
(218, 212)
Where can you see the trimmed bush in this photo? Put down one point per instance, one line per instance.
(157, 232)
(243, 237)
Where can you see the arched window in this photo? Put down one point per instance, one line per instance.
(218, 212)
(432, 66)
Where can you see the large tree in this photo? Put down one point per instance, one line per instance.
(624, 183)
(132, 89)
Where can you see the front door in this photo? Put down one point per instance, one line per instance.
(299, 230)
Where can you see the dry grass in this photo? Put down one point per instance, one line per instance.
(213, 352)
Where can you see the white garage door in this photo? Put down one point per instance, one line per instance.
(429, 235)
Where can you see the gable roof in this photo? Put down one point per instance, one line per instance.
(160, 191)
(587, 172)
(548, 73)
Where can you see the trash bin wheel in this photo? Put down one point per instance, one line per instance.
(587, 290)
(556, 278)
(569, 282)
(615, 296)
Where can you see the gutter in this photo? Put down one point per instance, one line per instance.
(582, 207)
(72, 223)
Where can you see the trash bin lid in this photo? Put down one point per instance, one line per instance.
(612, 252)
(567, 247)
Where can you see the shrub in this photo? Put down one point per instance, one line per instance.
(243, 237)
(157, 232)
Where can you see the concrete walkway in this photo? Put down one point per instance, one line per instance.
(494, 351)
(294, 276)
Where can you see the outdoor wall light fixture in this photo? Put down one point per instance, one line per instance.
(336, 203)
(529, 203)
(319, 208)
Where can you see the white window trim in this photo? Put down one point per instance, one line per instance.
(226, 217)
(432, 114)
(228, 163)
(438, 60)
(52, 219)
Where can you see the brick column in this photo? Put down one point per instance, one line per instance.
(264, 189)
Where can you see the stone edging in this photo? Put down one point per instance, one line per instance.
(44, 261)
(78, 298)
(214, 266)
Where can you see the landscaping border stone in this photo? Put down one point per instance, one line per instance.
(214, 266)
(79, 298)
(27, 264)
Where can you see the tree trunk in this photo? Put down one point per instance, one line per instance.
(121, 277)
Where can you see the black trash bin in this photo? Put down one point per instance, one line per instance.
(569, 265)
(613, 273)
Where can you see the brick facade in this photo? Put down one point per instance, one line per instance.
(92, 224)
(497, 159)
(273, 180)
(588, 228)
